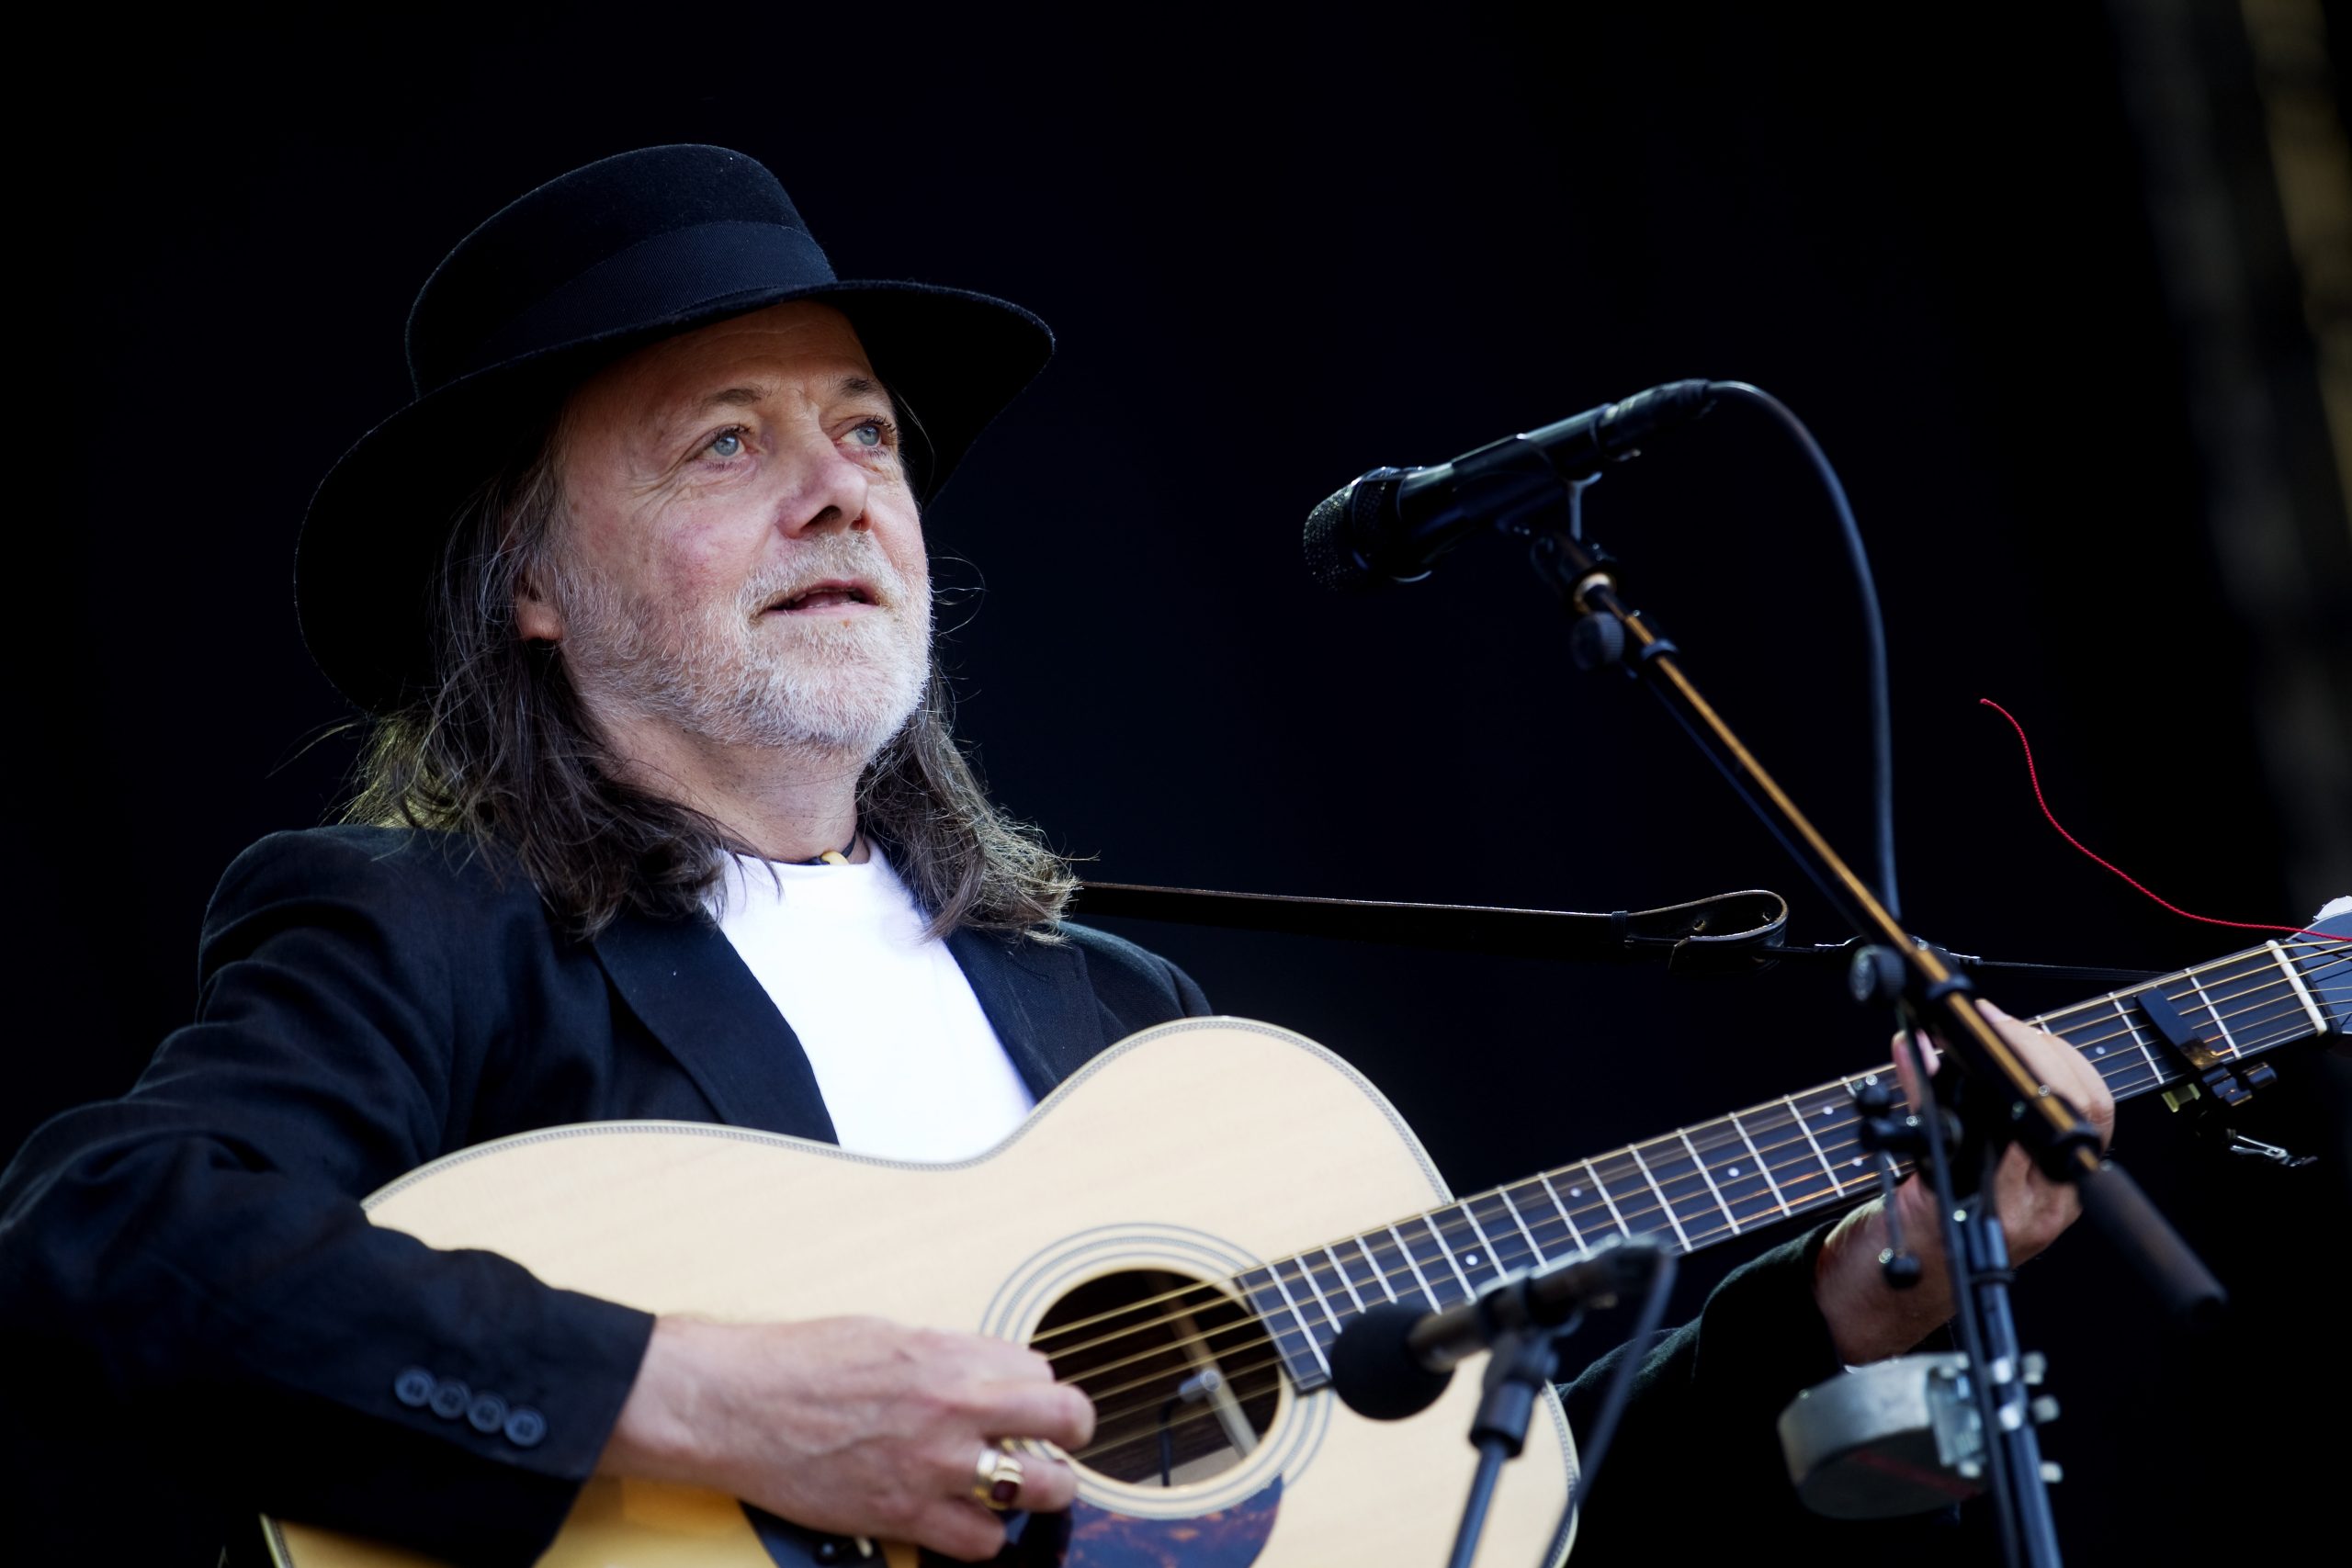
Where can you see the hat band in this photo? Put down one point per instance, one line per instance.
(655, 280)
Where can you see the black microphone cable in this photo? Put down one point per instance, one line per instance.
(1393, 519)
(1874, 630)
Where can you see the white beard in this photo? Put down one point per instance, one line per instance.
(842, 685)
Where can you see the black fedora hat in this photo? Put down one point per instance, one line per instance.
(567, 279)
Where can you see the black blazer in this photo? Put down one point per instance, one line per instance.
(189, 1263)
(370, 999)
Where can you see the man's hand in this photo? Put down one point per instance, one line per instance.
(1868, 1318)
(849, 1424)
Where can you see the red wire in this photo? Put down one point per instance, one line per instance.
(2035, 779)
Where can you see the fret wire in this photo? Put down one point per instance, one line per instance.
(2097, 1002)
(2213, 1014)
(1602, 1188)
(1503, 1193)
(1456, 1247)
(1797, 1111)
(1379, 1275)
(1501, 1224)
(1341, 1269)
(1706, 1176)
(1447, 1253)
(1761, 1163)
(2120, 1014)
(1414, 1264)
(2124, 1067)
(2102, 1039)
(1767, 1167)
(1574, 1235)
(1671, 1217)
(1824, 1155)
(1296, 1317)
(2125, 1013)
(1403, 1278)
(1839, 1186)
(1320, 1299)
(1486, 1246)
(1443, 1223)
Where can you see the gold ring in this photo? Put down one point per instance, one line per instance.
(997, 1478)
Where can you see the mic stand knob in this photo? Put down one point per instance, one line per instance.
(1522, 1364)
(1886, 1136)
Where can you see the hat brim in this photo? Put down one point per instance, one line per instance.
(378, 523)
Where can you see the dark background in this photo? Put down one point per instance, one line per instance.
(1275, 258)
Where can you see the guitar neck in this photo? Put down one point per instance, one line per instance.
(1797, 1154)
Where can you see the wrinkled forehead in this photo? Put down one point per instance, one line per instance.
(800, 350)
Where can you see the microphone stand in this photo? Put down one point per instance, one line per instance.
(1520, 1365)
(2004, 1102)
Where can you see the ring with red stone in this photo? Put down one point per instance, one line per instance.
(997, 1478)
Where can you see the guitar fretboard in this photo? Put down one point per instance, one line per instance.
(1736, 1174)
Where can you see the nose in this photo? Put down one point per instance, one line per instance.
(827, 490)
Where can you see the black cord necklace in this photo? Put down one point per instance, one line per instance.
(833, 857)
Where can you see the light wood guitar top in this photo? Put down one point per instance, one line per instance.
(1191, 1153)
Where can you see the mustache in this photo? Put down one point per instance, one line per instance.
(830, 559)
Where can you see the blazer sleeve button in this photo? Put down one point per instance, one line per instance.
(525, 1426)
(414, 1388)
(450, 1398)
(487, 1413)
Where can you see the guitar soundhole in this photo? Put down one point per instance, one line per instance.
(1184, 1381)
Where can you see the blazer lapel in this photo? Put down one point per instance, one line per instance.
(685, 983)
(1038, 1001)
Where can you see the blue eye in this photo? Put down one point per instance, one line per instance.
(726, 444)
(870, 433)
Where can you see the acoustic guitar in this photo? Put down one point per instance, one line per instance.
(1210, 1195)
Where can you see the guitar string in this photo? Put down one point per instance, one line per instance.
(1848, 1188)
(1256, 1329)
(2190, 1002)
(1718, 1137)
(1717, 1140)
(1840, 1143)
(1111, 1415)
(2126, 1069)
(1188, 1417)
(2262, 955)
(1253, 1324)
(1106, 1414)
(1700, 1229)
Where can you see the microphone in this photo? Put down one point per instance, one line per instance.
(1392, 1361)
(1389, 525)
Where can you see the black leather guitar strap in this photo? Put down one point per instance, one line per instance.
(1730, 931)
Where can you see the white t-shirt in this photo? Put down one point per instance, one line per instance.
(909, 1065)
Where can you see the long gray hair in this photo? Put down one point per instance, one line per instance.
(501, 751)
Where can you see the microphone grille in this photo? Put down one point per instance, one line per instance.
(1333, 556)
(1372, 1369)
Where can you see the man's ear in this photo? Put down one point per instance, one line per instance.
(535, 618)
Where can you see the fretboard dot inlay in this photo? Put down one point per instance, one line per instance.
(1773, 1164)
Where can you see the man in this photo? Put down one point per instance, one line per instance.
(664, 820)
